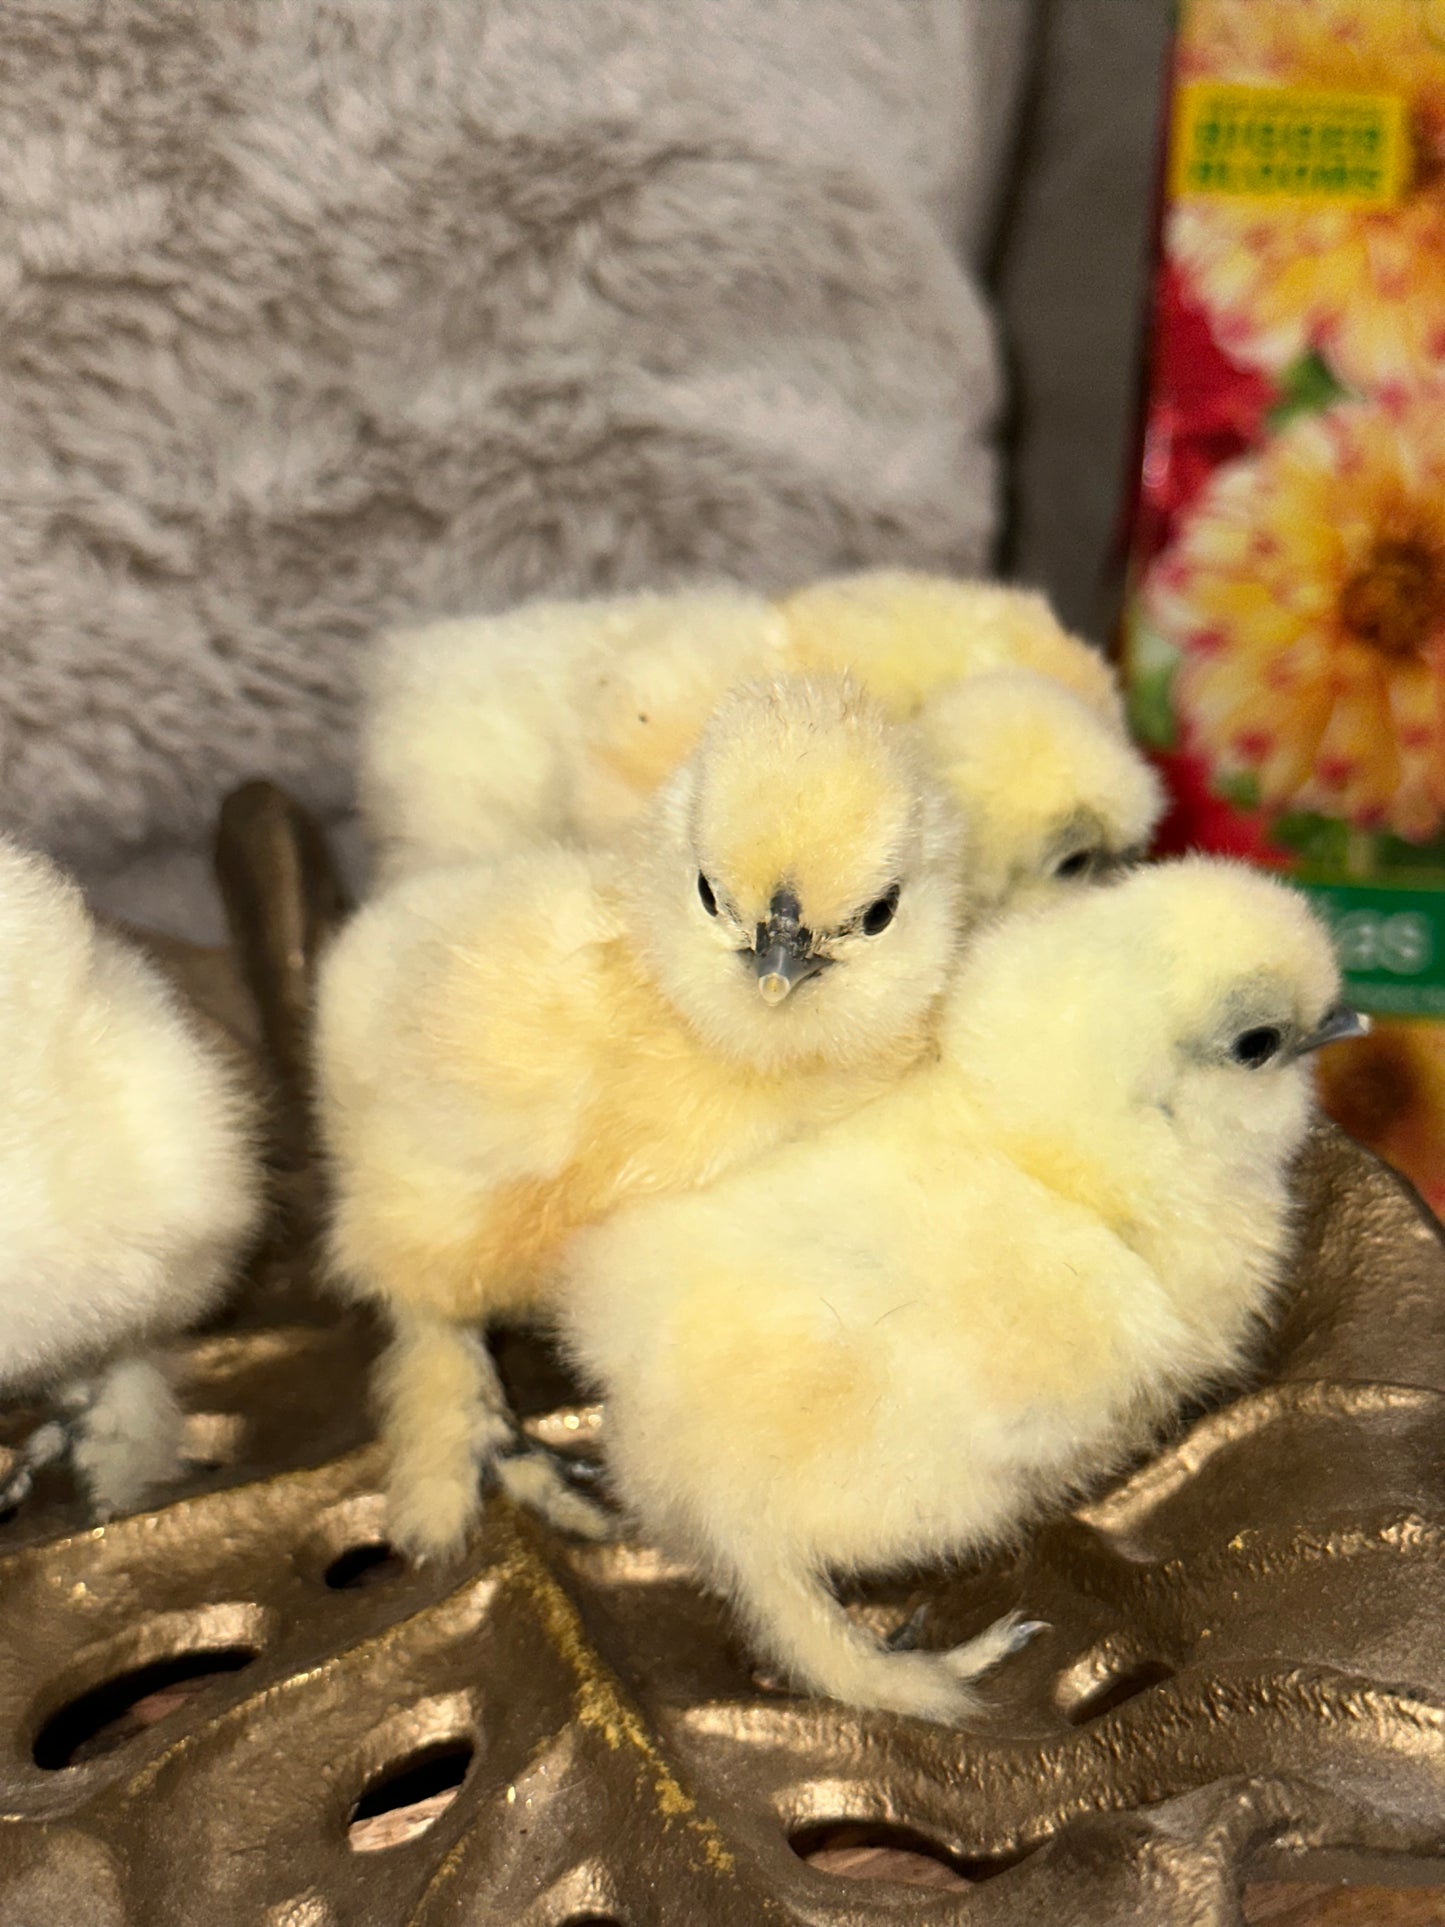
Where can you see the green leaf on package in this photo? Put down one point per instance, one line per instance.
(1320, 841)
(1152, 664)
(1306, 387)
(1237, 787)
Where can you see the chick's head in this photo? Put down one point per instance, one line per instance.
(1054, 796)
(797, 890)
(1188, 995)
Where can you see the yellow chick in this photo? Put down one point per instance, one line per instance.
(506, 1052)
(898, 1339)
(128, 1185)
(904, 634)
(554, 720)
(559, 720)
(1052, 793)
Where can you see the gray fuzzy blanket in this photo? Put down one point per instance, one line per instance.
(319, 314)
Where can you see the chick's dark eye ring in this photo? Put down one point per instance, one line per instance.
(705, 891)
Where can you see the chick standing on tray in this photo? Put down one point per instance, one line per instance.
(508, 1051)
(903, 1337)
(128, 1185)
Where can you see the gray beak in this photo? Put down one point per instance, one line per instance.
(780, 969)
(1338, 1024)
(781, 955)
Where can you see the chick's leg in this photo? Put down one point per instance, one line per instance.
(128, 1434)
(447, 1430)
(442, 1414)
(796, 1620)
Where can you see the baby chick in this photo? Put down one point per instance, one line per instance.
(561, 719)
(128, 1184)
(1052, 793)
(556, 719)
(899, 1338)
(904, 634)
(507, 1051)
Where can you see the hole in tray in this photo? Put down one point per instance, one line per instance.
(110, 1714)
(880, 1850)
(364, 1565)
(407, 1798)
(1117, 1688)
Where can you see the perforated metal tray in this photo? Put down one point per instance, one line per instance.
(237, 1709)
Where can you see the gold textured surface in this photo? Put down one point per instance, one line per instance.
(1244, 1674)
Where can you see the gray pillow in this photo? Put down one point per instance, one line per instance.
(315, 316)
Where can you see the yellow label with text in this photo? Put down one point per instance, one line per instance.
(1285, 144)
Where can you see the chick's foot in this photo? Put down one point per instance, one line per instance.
(937, 1686)
(128, 1435)
(43, 1447)
(533, 1477)
(797, 1620)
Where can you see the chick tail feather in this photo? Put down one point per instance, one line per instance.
(793, 1617)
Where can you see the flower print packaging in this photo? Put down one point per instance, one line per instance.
(1284, 636)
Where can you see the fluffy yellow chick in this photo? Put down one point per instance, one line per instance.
(1052, 793)
(561, 719)
(899, 1338)
(904, 634)
(556, 719)
(128, 1184)
(508, 1051)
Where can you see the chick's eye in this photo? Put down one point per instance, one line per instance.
(1077, 864)
(878, 916)
(1254, 1048)
(705, 891)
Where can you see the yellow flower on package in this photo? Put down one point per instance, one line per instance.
(1359, 280)
(1306, 594)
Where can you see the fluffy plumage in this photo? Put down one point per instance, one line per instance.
(508, 1051)
(555, 720)
(1052, 792)
(128, 1183)
(901, 1337)
(905, 634)
(561, 719)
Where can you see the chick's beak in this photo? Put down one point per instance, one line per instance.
(1335, 1027)
(782, 955)
(779, 968)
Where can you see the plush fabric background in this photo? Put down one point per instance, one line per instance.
(316, 314)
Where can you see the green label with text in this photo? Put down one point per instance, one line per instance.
(1390, 942)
